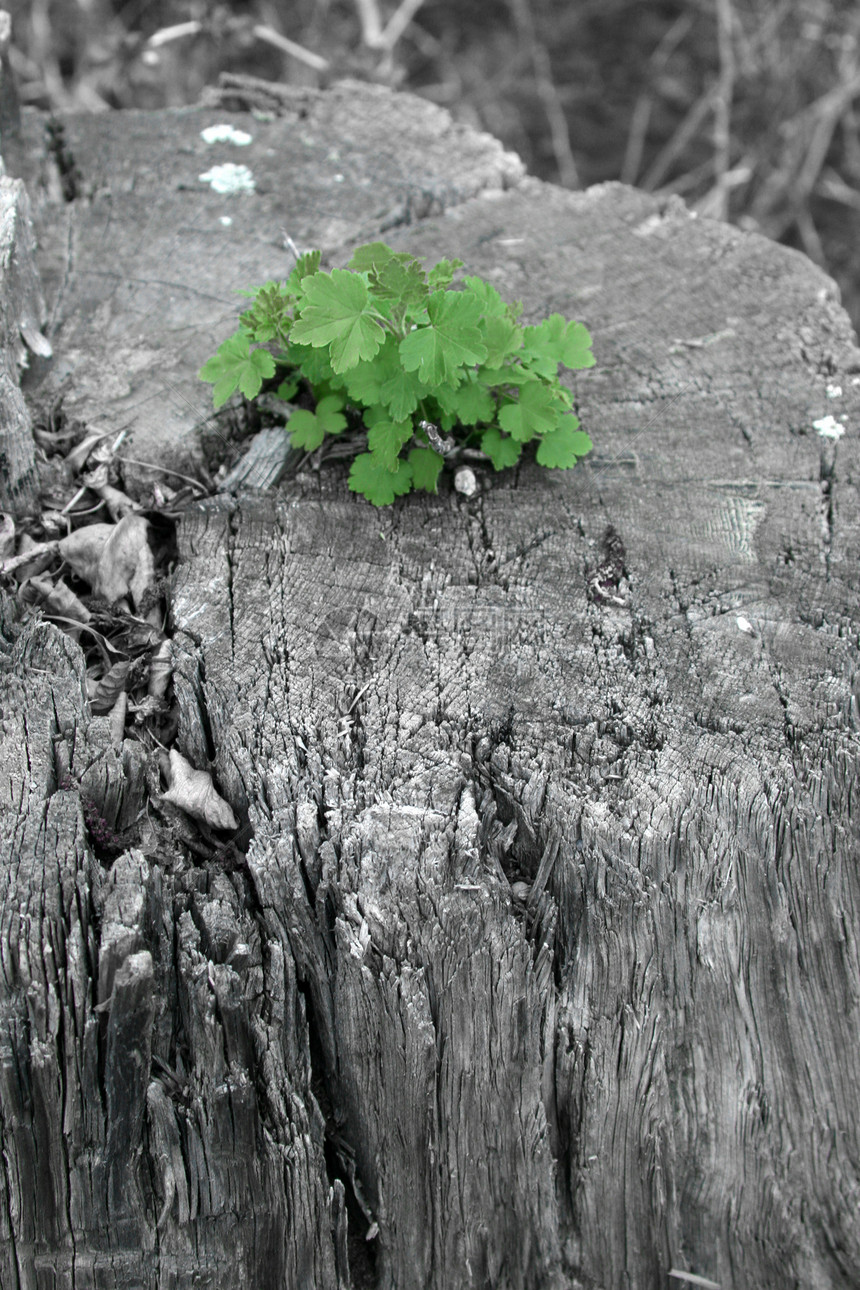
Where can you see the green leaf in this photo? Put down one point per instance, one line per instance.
(385, 439)
(401, 393)
(535, 412)
(495, 377)
(364, 383)
(426, 464)
(561, 448)
(473, 403)
(237, 366)
(287, 389)
(403, 282)
(305, 430)
(501, 450)
(502, 337)
(443, 273)
(312, 363)
(329, 414)
(383, 380)
(308, 429)
(555, 341)
(305, 267)
(270, 316)
(373, 480)
(337, 312)
(492, 304)
(452, 340)
(371, 257)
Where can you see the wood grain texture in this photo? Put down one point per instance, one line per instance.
(22, 312)
(540, 969)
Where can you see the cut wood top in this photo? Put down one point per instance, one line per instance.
(552, 789)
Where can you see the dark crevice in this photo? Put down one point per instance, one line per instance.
(63, 158)
(340, 1158)
(826, 475)
(199, 686)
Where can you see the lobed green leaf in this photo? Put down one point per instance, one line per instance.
(370, 477)
(385, 438)
(562, 448)
(534, 413)
(337, 313)
(452, 341)
(500, 448)
(237, 366)
(554, 341)
(425, 464)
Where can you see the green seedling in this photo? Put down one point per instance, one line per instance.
(408, 357)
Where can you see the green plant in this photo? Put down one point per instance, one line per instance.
(407, 354)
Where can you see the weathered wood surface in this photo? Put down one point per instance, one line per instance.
(542, 949)
(22, 312)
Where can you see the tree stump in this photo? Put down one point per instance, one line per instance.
(534, 960)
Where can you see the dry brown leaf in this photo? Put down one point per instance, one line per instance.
(117, 502)
(193, 792)
(160, 671)
(54, 522)
(117, 719)
(114, 559)
(83, 550)
(105, 691)
(57, 599)
(77, 458)
(127, 566)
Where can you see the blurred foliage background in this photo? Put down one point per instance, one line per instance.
(747, 108)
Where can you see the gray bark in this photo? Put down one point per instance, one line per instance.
(534, 959)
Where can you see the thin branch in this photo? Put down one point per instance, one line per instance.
(642, 109)
(723, 109)
(548, 93)
(667, 155)
(809, 235)
(182, 30)
(400, 20)
(371, 23)
(833, 186)
(302, 55)
(165, 35)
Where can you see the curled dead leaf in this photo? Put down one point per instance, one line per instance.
(58, 600)
(83, 550)
(55, 522)
(193, 792)
(115, 559)
(77, 458)
(160, 671)
(117, 502)
(105, 691)
(35, 341)
(117, 719)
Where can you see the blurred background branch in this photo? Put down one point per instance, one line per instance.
(748, 108)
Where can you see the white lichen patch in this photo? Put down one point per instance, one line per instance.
(225, 134)
(226, 220)
(229, 179)
(829, 428)
(834, 391)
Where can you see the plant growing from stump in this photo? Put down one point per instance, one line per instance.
(409, 356)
